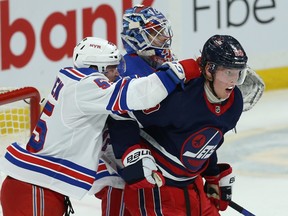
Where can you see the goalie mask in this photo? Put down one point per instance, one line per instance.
(145, 28)
(92, 51)
(224, 51)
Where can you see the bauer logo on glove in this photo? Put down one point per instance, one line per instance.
(136, 155)
(140, 169)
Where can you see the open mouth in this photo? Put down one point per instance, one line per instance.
(229, 89)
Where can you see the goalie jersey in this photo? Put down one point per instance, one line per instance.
(64, 149)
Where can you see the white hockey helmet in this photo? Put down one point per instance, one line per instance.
(97, 52)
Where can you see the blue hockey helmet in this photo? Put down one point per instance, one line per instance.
(145, 28)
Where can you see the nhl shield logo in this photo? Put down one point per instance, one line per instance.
(217, 109)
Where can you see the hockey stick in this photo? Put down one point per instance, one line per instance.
(157, 179)
(232, 204)
(110, 163)
(240, 209)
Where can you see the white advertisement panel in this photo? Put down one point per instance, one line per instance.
(260, 26)
(38, 37)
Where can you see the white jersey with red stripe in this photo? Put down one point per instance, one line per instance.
(64, 149)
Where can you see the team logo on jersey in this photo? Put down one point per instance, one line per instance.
(199, 147)
(198, 141)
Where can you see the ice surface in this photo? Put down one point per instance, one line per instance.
(259, 156)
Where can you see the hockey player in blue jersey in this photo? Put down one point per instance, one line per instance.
(181, 135)
(147, 38)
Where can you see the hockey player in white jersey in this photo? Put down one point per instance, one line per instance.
(61, 158)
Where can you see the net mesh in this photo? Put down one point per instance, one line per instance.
(14, 122)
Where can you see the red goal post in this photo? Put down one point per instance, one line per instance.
(19, 113)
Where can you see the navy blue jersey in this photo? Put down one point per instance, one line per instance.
(182, 132)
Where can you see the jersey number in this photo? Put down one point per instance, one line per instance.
(37, 139)
(102, 83)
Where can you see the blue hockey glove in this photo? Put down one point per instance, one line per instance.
(140, 170)
(219, 188)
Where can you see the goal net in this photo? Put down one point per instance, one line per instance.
(19, 112)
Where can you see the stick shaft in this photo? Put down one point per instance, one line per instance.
(240, 209)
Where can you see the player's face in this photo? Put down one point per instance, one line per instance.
(159, 36)
(112, 72)
(225, 80)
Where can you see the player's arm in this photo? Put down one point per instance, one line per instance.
(123, 135)
(139, 166)
(97, 95)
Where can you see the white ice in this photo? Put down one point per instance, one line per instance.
(259, 156)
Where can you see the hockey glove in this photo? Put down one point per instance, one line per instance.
(140, 170)
(219, 188)
(182, 71)
(252, 89)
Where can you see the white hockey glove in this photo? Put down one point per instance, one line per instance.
(252, 89)
(182, 71)
(175, 71)
(219, 188)
(140, 170)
